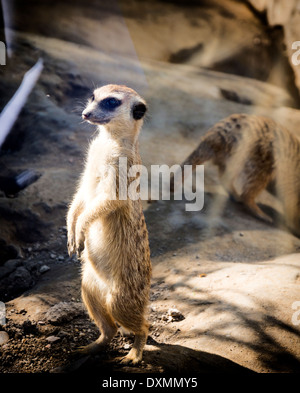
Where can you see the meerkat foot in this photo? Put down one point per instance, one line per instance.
(259, 213)
(91, 349)
(265, 217)
(136, 353)
(234, 195)
(133, 357)
(75, 247)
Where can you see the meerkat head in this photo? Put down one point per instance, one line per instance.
(115, 106)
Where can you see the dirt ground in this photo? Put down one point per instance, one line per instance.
(225, 285)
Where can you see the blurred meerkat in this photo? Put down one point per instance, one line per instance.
(110, 234)
(251, 151)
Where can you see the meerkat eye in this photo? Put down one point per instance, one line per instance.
(92, 98)
(110, 103)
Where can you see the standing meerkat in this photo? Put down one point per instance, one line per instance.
(110, 234)
(251, 151)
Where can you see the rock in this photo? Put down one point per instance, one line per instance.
(30, 327)
(52, 339)
(44, 269)
(33, 266)
(174, 315)
(4, 337)
(7, 251)
(12, 264)
(4, 272)
(63, 333)
(20, 280)
(8, 267)
(64, 312)
(17, 276)
(286, 14)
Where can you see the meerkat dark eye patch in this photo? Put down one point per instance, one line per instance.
(138, 111)
(92, 97)
(110, 103)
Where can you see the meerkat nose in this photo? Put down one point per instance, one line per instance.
(86, 115)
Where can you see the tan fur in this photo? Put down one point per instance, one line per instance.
(111, 235)
(250, 151)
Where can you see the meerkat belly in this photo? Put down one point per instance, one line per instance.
(108, 247)
(96, 245)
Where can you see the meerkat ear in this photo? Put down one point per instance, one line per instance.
(138, 110)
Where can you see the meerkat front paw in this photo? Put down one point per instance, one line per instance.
(79, 243)
(80, 237)
(71, 244)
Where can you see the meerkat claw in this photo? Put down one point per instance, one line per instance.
(71, 249)
(71, 243)
(126, 360)
(79, 249)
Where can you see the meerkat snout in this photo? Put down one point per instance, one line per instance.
(86, 115)
(108, 104)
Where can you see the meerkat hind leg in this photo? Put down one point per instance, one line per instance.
(253, 181)
(234, 194)
(248, 200)
(136, 353)
(103, 320)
